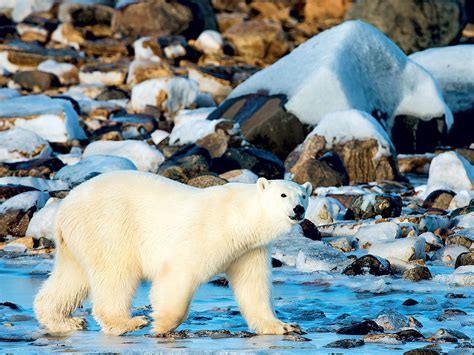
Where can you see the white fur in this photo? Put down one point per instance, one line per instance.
(122, 227)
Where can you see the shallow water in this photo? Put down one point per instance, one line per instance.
(299, 297)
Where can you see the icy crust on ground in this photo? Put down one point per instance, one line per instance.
(52, 119)
(450, 171)
(144, 156)
(453, 69)
(19, 144)
(352, 65)
(342, 126)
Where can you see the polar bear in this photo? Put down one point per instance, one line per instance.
(121, 227)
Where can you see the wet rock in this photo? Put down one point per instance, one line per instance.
(259, 161)
(221, 282)
(464, 259)
(417, 273)
(392, 339)
(362, 328)
(15, 222)
(410, 302)
(369, 264)
(264, 122)
(367, 157)
(92, 166)
(258, 39)
(448, 335)
(310, 230)
(276, 263)
(36, 80)
(159, 17)
(371, 205)
(420, 21)
(439, 199)
(410, 335)
(295, 337)
(450, 313)
(390, 319)
(345, 344)
(186, 163)
(204, 181)
(422, 351)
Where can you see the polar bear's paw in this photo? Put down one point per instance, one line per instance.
(126, 326)
(279, 328)
(66, 325)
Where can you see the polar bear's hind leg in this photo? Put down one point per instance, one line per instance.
(62, 293)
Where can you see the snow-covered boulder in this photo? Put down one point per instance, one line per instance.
(25, 201)
(192, 125)
(42, 223)
(405, 249)
(323, 210)
(243, 176)
(452, 67)
(350, 66)
(449, 253)
(92, 166)
(21, 9)
(358, 139)
(144, 156)
(168, 94)
(308, 255)
(66, 72)
(19, 144)
(110, 74)
(450, 171)
(37, 183)
(52, 119)
(376, 233)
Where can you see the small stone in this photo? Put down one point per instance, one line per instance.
(410, 335)
(417, 273)
(422, 351)
(345, 344)
(392, 339)
(410, 302)
(276, 263)
(369, 264)
(362, 328)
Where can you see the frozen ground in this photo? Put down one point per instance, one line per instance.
(299, 297)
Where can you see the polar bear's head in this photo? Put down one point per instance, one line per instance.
(285, 200)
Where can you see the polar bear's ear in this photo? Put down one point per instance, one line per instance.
(308, 187)
(262, 184)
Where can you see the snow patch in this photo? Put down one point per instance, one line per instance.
(25, 201)
(42, 223)
(37, 183)
(22, 145)
(144, 156)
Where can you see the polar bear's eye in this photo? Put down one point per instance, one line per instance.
(283, 195)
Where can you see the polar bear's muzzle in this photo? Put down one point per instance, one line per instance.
(298, 213)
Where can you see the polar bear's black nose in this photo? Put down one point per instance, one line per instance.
(299, 212)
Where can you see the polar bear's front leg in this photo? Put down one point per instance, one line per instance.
(170, 297)
(250, 277)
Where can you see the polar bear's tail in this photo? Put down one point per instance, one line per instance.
(62, 293)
